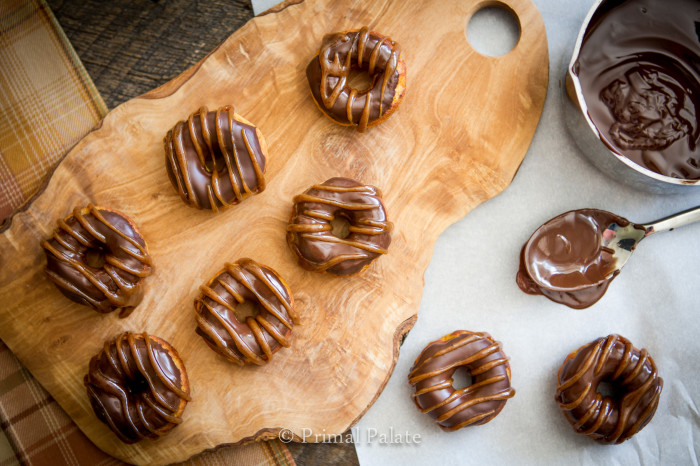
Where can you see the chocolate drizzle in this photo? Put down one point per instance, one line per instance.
(636, 389)
(138, 386)
(565, 260)
(329, 71)
(255, 340)
(85, 239)
(310, 235)
(476, 404)
(640, 76)
(215, 159)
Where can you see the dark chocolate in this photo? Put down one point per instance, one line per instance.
(98, 258)
(639, 68)
(476, 404)
(215, 160)
(565, 259)
(310, 235)
(634, 382)
(138, 386)
(329, 71)
(258, 337)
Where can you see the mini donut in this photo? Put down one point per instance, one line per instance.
(98, 258)
(257, 338)
(476, 404)
(310, 235)
(138, 386)
(634, 380)
(366, 50)
(215, 159)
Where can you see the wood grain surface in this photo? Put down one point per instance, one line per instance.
(456, 141)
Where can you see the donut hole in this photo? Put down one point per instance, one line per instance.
(340, 227)
(95, 257)
(360, 80)
(246, 309)
(138, 385)
(209, 163)
(461, 379)
(610, 390)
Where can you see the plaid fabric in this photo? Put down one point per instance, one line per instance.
(35, 428)
(36, 431)
(47, 104)
(47, 100)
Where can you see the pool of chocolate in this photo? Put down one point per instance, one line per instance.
(565, 259)
(639, 69)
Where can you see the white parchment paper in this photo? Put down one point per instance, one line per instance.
(470, 285)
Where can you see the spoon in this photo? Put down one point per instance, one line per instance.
(572, 258)
(622, 240)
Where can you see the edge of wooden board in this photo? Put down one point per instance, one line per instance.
(162, 91)
(169, 89)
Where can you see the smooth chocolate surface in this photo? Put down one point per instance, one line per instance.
(432, 377)
(329, 71)
(138, 386)
(635, 386)
(565, 259)
(639, 68)
(214, 160)
(310, 234)
(255, 339)
(97, 257)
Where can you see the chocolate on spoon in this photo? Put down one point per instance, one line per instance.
(572, 258)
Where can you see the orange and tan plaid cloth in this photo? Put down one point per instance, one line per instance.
(47, 104)
(36, 431)
(47, 100)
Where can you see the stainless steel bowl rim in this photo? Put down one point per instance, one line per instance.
(584, 110)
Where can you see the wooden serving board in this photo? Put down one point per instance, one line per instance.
(457, 140)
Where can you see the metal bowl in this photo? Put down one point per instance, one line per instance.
(591, 143)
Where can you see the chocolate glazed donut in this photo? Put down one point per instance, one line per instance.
(329, 71)
(310, 236)
(256, 339)
(138, 386)
(633, 377)
(477, 404)
(97, 257)
(215, 159)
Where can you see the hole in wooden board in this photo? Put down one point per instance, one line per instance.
(461, 379)
(246, 309)
(340, 227)
(359, 80)
(493, 30)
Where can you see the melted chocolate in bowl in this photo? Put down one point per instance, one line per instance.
(639, 69)
(566, 261)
